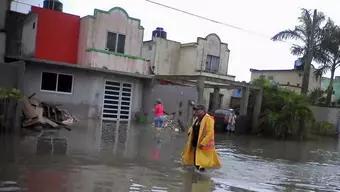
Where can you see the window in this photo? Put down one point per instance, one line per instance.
(115, 42)
(56, 82)
(212, 64)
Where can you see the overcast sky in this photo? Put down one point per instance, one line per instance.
(248, 50)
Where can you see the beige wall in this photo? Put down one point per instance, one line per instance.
(118, 63)
(85, 41)
(188, 61)
(93, 38)
(170, 57)
(212, 45)
(29, 34)
(164, 54)
(293, 77)
(148, 50)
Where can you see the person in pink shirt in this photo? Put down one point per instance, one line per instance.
(158, 114)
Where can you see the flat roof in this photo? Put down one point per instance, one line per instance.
(273, 70)
(81, 67)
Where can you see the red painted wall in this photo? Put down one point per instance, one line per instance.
(57, 35)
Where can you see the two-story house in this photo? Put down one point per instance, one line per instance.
(91, 65)
(112, 40)
(207, 56)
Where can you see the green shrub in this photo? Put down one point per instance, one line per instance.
(284, 113)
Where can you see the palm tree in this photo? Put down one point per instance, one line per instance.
(308, 33)
(330, 54)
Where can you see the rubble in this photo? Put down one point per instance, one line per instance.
(39, 115)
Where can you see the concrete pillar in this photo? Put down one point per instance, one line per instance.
(257, 110)
(2, 46)
(200, 90)
(215, 99)
(244, 101)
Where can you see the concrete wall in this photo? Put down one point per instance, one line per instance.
(326, 114)
(119, 63)
(171, 57)
(57, 35)
(86, 99)
(93, 38)
(171, 96)
(85, 41)
(212, 45)
(225, 99)
(336, 85)
(164, 54)
(188, 61)
(12, 76)
(14, 26)
(3, 11)
(29, 34)
(291, 77)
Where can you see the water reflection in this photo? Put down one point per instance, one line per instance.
(121, 156)
(195, 182)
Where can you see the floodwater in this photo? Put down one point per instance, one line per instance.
(111, 157)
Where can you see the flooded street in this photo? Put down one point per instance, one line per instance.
(109, 157)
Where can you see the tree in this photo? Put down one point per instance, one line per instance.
(308, 33)
(329, 54)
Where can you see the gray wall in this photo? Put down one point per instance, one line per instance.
(171, 95)
(3, 11)
(326, 114)
(86, 99)
(14, 26)
(28, 39)
(11, 76)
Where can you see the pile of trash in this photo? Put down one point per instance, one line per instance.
(39, 115)
(172, 124)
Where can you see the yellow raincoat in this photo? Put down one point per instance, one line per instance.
(206, 156)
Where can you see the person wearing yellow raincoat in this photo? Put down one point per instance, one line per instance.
(199, 150)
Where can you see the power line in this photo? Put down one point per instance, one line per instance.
(195, 15)
(212, 20)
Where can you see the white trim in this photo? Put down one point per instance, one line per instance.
(120, 97)
(56, 91)
(116, 45)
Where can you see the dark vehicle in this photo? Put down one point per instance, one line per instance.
(221, 117)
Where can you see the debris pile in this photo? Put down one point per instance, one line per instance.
(38, 115)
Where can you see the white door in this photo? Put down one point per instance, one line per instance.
(117, 100)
